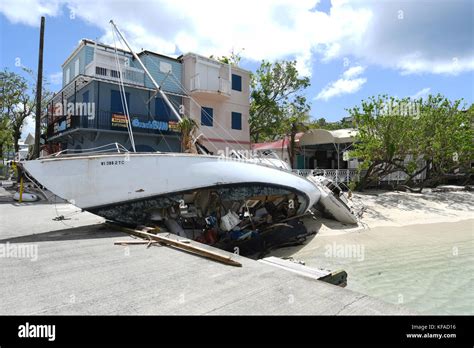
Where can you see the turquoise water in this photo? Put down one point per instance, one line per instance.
(427, 268)
(431, 281)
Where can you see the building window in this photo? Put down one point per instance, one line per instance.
(206, 116)
(100, 71)
(236, 120)
(76, 67)
(237, 83)
(85, 97)
(115, 73)
(68, 75)
(162, 112)
(116, 105)
(165, 67)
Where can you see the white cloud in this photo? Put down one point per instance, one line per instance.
(267, 29)
(421, 93)
(56, 78)
(353, 72)
(413, 37)
(347, 84)
(339, 87)
(29, 11)
(433, 37)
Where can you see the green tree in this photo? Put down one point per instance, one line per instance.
(411, 136)
(233, 58)
(295, 121)
(274, 88)
(321, 123)
(385, 138)
(6, 138)
(17, 103)
(447, 135)
(188, 128)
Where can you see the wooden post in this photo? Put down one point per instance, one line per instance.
(39, 88)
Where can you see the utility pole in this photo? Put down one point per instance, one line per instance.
(39, 88)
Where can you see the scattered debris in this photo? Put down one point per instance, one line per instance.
(25, 197)
(169, 239)
(451, 188)
(252, 218)
(60, 218)
(289, 258)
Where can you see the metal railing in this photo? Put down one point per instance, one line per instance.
(336, 175)
(197, 85)
(110, 71)
(104, 120)
(348, 175)
(112, 147)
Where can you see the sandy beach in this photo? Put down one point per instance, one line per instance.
(410, 249)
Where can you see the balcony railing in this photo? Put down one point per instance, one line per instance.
(221, 86)
(130, 75)
(107, 120)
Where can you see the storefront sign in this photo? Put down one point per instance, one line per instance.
(119, 121)
(173, 126)
(156, 125)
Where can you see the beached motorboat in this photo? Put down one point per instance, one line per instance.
(108, 184)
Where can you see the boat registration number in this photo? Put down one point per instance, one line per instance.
(111, 163)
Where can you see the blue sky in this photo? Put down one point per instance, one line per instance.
(350, 50)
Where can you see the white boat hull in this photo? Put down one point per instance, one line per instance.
(332, 205)
(92, 182)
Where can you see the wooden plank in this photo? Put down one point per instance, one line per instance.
(134, 242)
(184, 245)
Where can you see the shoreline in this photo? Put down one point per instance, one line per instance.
(411, 249)
(401, 209)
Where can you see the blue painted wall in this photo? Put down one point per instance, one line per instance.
(152, 63)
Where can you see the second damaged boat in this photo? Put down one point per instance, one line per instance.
(333, 200)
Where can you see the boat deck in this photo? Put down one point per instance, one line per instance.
(79, 270)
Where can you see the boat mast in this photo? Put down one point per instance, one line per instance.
(158, 87)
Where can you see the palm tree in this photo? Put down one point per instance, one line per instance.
(188, 128)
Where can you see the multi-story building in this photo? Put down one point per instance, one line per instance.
(88, 111)
(219, 101)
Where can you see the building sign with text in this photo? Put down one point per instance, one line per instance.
(119, 121)
(171, 126)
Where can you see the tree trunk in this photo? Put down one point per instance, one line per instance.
(365, 180)
(292, 145)
(256, 137)
(16, 139)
